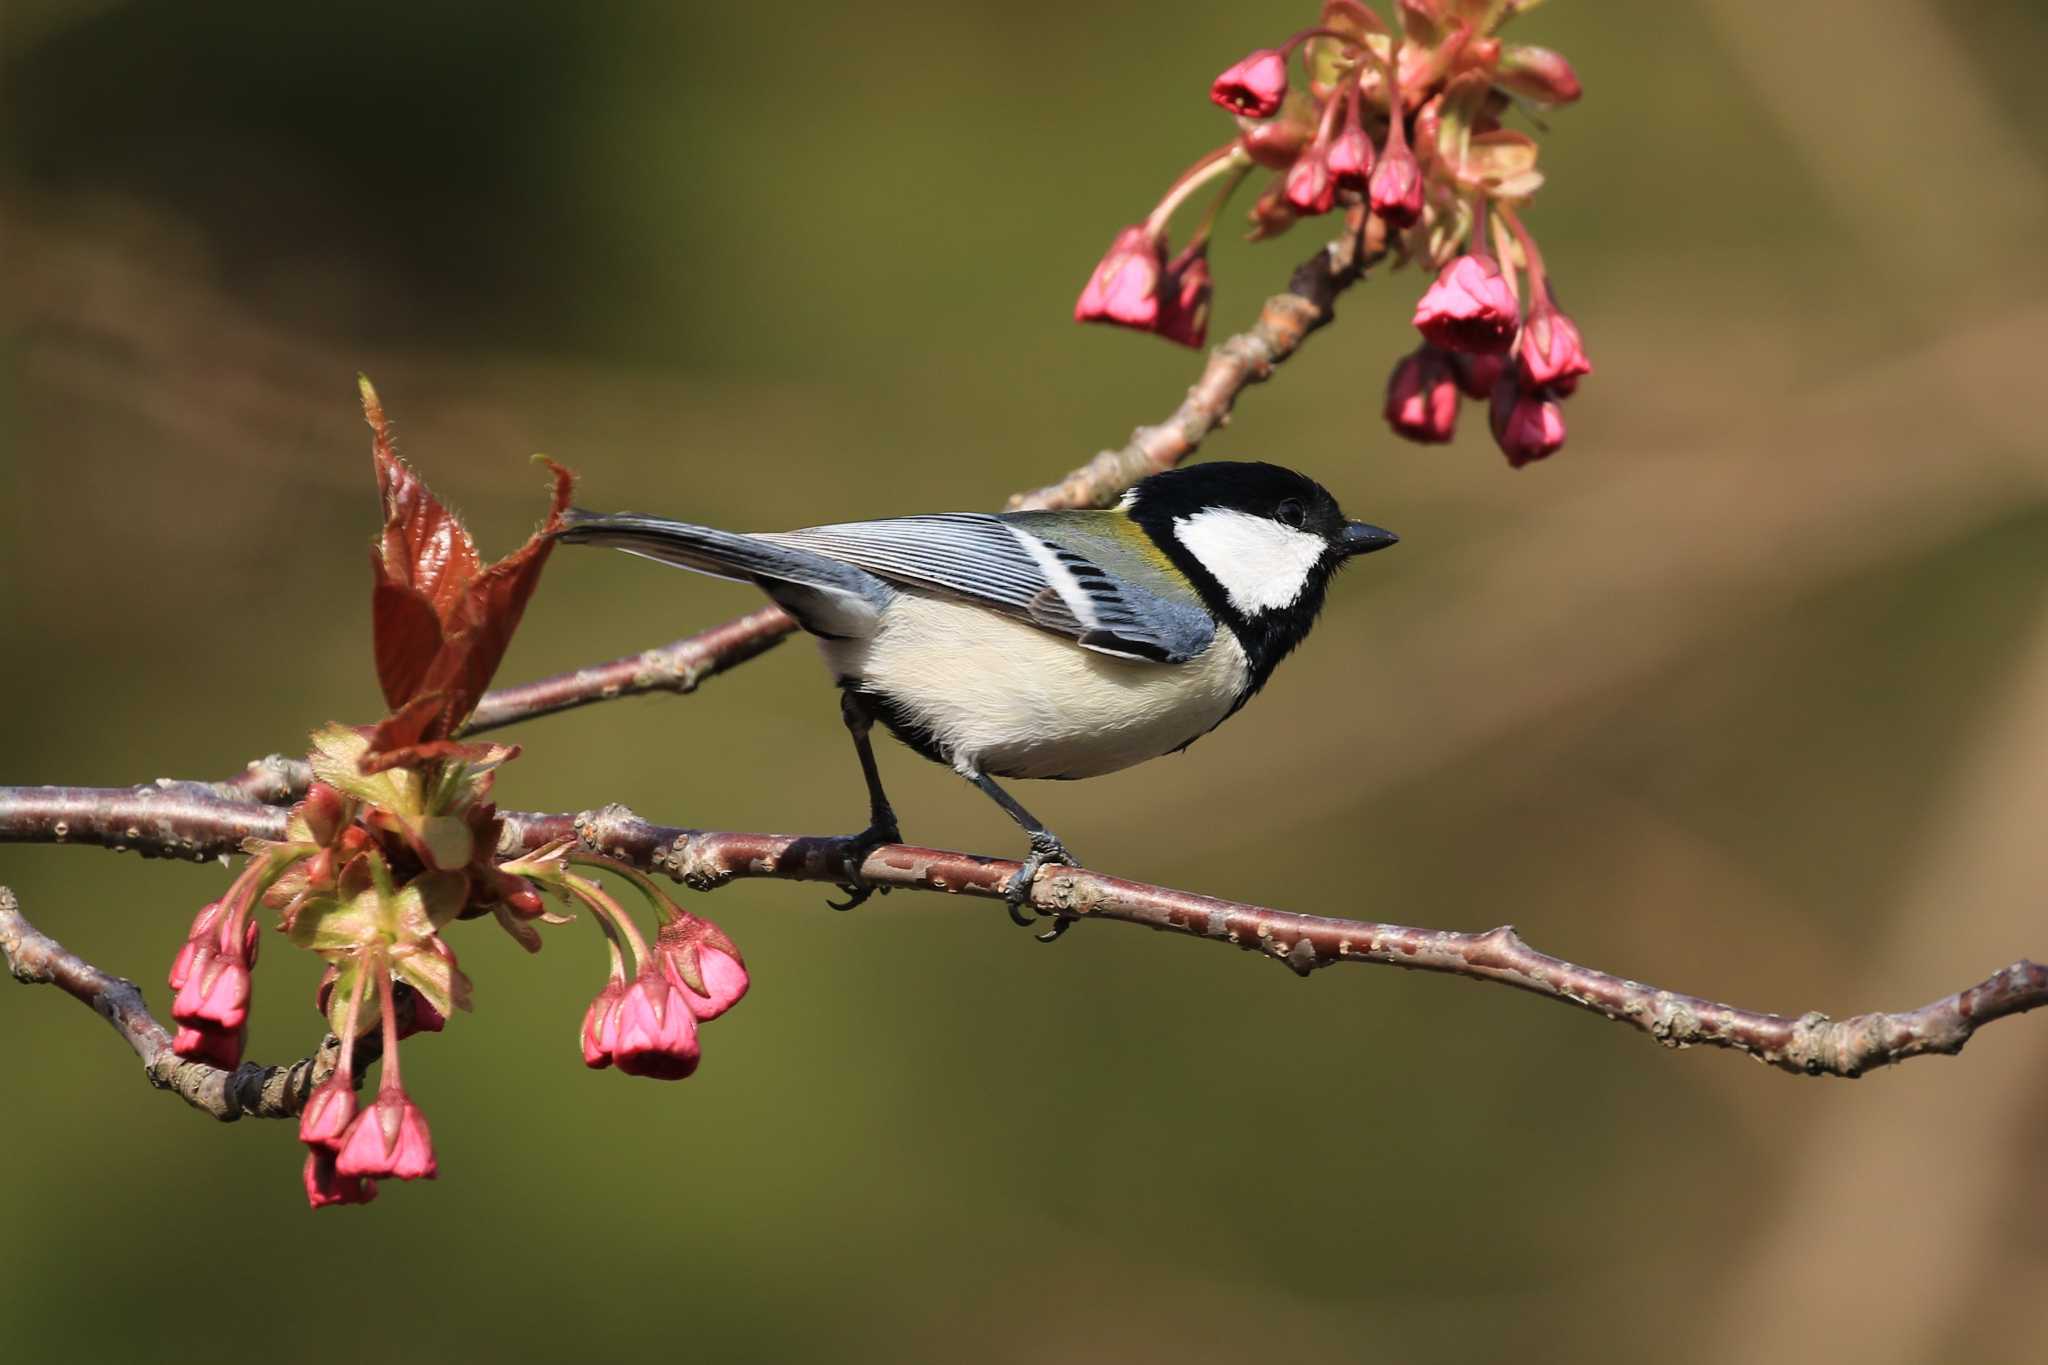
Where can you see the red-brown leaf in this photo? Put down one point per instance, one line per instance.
(406, 635)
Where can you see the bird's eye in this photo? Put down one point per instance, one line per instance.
(1291, 513)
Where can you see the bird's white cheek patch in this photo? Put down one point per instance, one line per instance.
(1260, 563)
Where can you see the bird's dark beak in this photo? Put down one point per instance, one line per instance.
(1361, 539)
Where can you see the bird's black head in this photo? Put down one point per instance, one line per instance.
(1259, 543)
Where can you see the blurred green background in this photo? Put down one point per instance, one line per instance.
(1745, 693)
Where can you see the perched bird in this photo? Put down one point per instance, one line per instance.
(1040, 644)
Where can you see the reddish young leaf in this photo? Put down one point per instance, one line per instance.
(441, 622)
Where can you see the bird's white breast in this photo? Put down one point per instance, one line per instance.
(1012, 700)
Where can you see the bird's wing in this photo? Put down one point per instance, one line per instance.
(1041, 573)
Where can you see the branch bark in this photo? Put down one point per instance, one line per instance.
(1811, 1044)
(250, 1090)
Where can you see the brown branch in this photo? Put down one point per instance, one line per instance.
(1244, 360)
(677, 667)
(161, 819)
(1811, 1044)
(274, 779)
(250, 1090)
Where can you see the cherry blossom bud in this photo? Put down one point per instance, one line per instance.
(1539, 74)
(1311, 189)
(1125, 286)
(389, 1139)
(1526, 426)
(1470, 308)
(1350, 159)
(1276, 143)
(700, 961)
(1254, 86)
(657, 1033)
(1422, 397)
(1397, 182)
(425, 1018)
(202, 939)
(601, 1027)
(327, 1113)
(215, 995)
(1184, 298)
(325, 1188)
(1549, 350)
(216, 1046)
(1477, 374)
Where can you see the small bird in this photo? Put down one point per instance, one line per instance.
(1039, 644)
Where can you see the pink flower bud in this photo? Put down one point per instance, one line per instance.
(657, 1033)
(1397, 183)
(1539, 74)
(216, 994)
(327, 1113)
(1275, 143)
(325, 1188)
(1477, 374)
(1470, 307)
(1526, 426)
(697, 957)
(1422, 397)
(1549, 350)
(1125, 286)
(1350, 159)
(601, 1027)
(389, 1139)
(1311, 189)
(221, 1047)
(202, 938)
(425, 1018)
(1254, 86)
(1184, 299)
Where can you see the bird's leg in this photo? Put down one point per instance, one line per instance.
(1045, 848)
(881, 819)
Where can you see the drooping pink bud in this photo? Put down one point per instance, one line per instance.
(1397, 182)
(424, 1017)
(215, 994)
(327, 1113)
(1470, 308)
(1350, 159)
(325, 1188)
(1125, 286)
(1549, 350)
(657, 1033)
(1422, 397)
(216, 1046)
(1311, 189)
(601, 1026)
(202, 938)
(1539, 74)
(1254, 86)
(697, 957)
(1184, 298)
(1526, 426)
(1477, 374)
(389, 1139)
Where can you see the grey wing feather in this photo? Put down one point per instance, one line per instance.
(1049, 577)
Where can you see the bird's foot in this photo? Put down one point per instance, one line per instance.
(1045, 849)
(853, 852)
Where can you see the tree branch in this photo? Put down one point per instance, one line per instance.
(264, 1092)
(1811, 1044)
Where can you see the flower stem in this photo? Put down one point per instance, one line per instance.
(1230, 156)
(387, 1002)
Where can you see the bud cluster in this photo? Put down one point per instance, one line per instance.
(1402, 129)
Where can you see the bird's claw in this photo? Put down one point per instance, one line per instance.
(1045, 849)
(856, 849)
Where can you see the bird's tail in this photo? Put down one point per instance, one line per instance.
(828, 596)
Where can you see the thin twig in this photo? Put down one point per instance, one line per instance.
(1811, 1044)
(249, 1091)
(677, 667)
